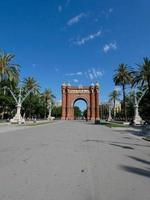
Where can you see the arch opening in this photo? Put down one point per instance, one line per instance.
(80, 109)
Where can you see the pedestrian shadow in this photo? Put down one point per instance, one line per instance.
(94, 140)
(128, 138)
(139, 160)
(136, 132)
(121, 146)
(135, 170)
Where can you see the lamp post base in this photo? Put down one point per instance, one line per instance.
(137, 120)
(50, 118)
(17, 119)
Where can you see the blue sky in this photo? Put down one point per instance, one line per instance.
(76, 41)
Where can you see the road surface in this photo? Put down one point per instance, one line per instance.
(73, 161)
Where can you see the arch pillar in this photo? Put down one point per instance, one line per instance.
(64, 102)
(92, 103)
(97, 113)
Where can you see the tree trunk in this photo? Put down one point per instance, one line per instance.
(30, 106)
(124, 102)
(149, 85)
(114, 108)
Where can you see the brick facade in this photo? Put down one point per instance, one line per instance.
(71, 94)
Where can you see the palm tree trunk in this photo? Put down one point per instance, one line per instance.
(114, 108)
(30, 106)
(149, 85)
(124, 102)
(3, 111)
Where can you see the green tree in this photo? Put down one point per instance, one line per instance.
(8, 70)
(85, 113)
(56, 111)
(130, 105)
(48, 98)
(114, 96)
(142, 81)
(31, 84)
(9, 76)
(142, 75)
(123, 77)
(7, 106)
(77, 112)
(144, 106)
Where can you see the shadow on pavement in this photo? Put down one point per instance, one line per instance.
(133, 132)
(128, 138)
(93, 140)
(139, 160)
(121, 146)
(135, 170)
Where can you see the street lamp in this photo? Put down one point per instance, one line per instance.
(50, 111)
(109, 110)
(137, 119)
(18, 100)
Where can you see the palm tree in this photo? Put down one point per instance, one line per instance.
(48, 98)
(142, 75)
(31, 84)
(123, 77)
(114, 96)
(8, 70)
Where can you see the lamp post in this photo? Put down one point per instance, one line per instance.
(49, 110)
(50, 106)
(18, 100)
(110, 109)
(137, 119)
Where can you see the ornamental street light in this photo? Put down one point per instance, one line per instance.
(137, 119)
(109, 110)
(49, 110)
(18, 100)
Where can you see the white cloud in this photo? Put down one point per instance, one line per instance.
(82, 41)
(70, 74)
(79, 73)
(110, 10)
(76, 19)
(56, 69)
(74, 74)
(59, 8)
(107, 12)
(110, 46)
(34, 65)
(93, 74)
(75, 80)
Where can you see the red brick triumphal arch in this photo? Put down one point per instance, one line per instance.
(89, 94)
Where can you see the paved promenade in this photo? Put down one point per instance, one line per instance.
(73, 161)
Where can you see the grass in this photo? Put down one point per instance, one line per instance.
(147, 138)
(38, 123)
(112, 125)
(2, 121)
